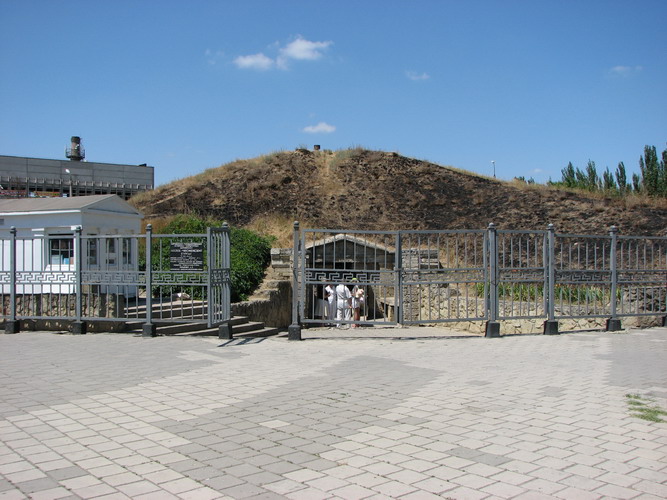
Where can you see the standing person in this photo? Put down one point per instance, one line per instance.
(320, 306)
(343, 304)
(357, 302)
(330, 296)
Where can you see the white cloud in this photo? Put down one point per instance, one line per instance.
(320, 128)
(213, 56)
(414, 76)
(255, 61)
(297, 50)
(625, 70)
(302, 50)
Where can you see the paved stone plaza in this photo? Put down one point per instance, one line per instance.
(383, 414)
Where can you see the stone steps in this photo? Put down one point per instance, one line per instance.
(241, 327)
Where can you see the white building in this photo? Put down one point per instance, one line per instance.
(46, 249)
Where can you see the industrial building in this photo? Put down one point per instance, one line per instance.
(22, 177)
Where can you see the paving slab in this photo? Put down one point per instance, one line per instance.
(365, 413)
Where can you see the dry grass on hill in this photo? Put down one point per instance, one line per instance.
(375, 190)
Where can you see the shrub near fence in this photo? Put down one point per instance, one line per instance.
(564, 293)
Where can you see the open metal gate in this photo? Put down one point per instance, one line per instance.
(407, 277)
(351, 258)
(219, 276)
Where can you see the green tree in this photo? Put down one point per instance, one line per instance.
(608, 182)
(662, 168)
(569, 178)
(622, 179)
(592, 180)
(581, 179)
(650, 169)
(250, 254)
(651, 180)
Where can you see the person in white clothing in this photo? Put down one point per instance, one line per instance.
(343, 305)
(330, 296)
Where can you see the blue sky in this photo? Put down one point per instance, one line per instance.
(188, 85)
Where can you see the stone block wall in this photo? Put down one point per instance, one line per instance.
(52, 304)
(60, 304)
(281, 263)
(273, 309)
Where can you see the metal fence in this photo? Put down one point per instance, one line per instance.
(121, 278)
(422, 277)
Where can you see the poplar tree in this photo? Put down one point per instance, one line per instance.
(622, 179)
(651, 180)
(608, 182)
(569, 178)
(592, 181)
(653, 173)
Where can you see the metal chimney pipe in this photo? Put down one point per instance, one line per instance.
(75, 153)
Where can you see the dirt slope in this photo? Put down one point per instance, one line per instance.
(360, 189)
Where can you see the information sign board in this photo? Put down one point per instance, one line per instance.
(186, 256)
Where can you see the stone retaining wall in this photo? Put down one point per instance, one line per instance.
(54, 304)
(273, 309)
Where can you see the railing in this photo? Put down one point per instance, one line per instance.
(492, 275)
(147, 278)
(25, 187)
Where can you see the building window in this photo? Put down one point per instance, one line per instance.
(127, 251)
(92, 251)
(111, 251)
(61, 251)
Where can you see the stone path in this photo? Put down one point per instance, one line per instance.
(392, 414)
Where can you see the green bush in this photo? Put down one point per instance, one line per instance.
(184, 224)
(573, 294)
(250, 255)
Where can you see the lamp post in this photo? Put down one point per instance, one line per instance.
(67, 171)
(494, 168)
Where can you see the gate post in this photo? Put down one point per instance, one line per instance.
(492, 325)
(399, 310)
(225, 330)
(613, 323)
(551, 325)
(294, 330)
(11, 324)
(78, 325)
(148, 328)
